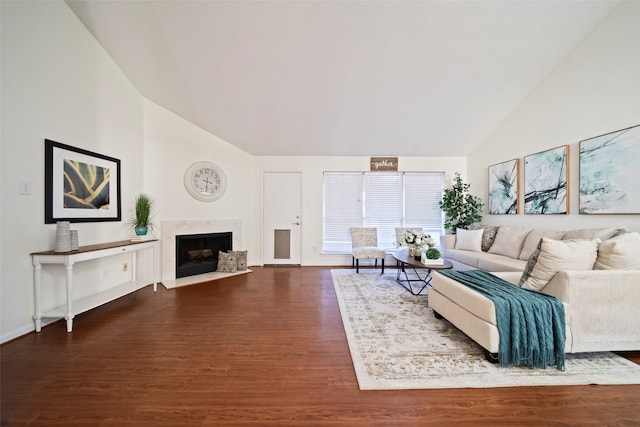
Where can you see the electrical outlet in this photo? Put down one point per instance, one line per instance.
(125, 267)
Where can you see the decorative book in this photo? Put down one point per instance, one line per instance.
(142, 238)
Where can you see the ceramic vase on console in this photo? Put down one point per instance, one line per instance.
(74, 240)
(63, 236)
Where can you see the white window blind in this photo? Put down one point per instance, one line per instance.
(342, 207)
(383, 204)
(423, 193)
(384, 200)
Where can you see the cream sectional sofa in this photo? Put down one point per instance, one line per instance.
(594, 272)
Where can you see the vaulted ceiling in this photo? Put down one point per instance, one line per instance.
(341, 78)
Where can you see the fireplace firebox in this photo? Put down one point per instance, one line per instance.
(198, 253)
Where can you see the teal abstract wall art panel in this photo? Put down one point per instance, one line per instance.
(546, 182)
(610, 173)
(503, 187)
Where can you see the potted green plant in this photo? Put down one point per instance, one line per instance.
(432, 253)
(461, 209)
(141, 220)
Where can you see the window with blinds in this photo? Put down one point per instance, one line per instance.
(385, 200)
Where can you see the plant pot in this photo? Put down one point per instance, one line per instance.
(141, 231)
(417, 257)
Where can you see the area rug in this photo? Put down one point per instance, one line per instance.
(396, 343)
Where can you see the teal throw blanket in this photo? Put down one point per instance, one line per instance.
(531, 324)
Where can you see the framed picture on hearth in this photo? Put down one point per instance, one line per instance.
(80, 186)
(609, 165)
(546, 182)
(503, 187)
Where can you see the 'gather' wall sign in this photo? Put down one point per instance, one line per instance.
(384, 164)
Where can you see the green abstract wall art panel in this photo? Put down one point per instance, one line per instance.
(546, 182)
(503, 187)
(610, 173)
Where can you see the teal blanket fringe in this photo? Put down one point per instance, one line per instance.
(531, 324)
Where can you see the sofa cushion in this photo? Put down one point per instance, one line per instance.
(621, 253)
(469, 240)
(594, 233)
(465, 297)
(509, 241)
(465, 257)
(533, 238)
(492, 262)
(552, 256)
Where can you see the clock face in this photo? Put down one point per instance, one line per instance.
(205, 181)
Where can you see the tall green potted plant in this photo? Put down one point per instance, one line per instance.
(461, 209)
(141, 220)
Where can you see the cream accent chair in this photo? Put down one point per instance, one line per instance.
(364, 245)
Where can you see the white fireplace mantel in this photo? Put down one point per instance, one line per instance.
(171, 229)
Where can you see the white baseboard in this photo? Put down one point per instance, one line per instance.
(16, 333)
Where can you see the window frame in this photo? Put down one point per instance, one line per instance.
(357, 196)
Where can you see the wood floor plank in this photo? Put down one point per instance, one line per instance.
(262, 349)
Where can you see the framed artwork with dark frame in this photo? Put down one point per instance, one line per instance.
(546, 182)
(80, 186)
(609, 173)
(503, 187)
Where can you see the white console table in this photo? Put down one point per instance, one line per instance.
(86, 253)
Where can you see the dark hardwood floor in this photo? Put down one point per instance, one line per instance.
(261, 349)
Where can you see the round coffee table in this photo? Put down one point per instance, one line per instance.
(405, 261)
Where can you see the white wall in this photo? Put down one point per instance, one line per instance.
(171, 145)
(312, 168)
(595, 90)
(57, 83)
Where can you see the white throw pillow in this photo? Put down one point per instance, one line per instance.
(620, 253)
(509, 241)
(558, 255)
(469, 240)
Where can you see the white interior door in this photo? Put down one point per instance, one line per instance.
(281, 218)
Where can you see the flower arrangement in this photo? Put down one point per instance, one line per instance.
(416, 239)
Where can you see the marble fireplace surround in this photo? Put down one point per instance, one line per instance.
(171, 229)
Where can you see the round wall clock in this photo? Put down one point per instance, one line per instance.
(205, 181)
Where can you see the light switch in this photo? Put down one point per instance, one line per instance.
(25, 187)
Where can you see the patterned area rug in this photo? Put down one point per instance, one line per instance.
(397, 343)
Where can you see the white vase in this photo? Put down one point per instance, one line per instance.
(63, 236)
(74, 240)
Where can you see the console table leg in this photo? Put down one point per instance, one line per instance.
(69, 316)
(37, 282)
(155, 269)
